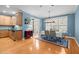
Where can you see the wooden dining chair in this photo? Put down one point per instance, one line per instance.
(53, 33)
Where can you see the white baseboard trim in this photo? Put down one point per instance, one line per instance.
(76, 42)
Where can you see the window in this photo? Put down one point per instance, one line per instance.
(36, 26)
(58, 24)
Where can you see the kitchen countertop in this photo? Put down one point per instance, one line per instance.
(16, 27)
(11, 29)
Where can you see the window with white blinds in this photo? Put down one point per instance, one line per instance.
(58, 24)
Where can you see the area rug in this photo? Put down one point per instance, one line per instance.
(56, 40)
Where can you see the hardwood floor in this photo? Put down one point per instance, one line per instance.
(35, 46)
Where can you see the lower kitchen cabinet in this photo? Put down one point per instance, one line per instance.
(12, 35)
(4, 33)
(19, 34)
(15, 35)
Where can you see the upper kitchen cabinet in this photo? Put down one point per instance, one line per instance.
(13, 20)
(1, 20)
(19, 18)
(7, 20)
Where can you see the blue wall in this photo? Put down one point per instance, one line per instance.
(42, 24)
(24, 26)
(77, 25)
(71, 25)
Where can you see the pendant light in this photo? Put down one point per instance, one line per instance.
(49, 11)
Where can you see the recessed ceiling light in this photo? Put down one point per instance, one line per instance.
(52, 5)
(4, 11)
(13, 12)
(41, 6)
(7, 6)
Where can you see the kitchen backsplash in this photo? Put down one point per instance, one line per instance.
(16, 27)
(5, 28)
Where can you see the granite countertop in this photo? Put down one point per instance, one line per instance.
(10, 28)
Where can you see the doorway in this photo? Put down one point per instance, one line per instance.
(36, 28)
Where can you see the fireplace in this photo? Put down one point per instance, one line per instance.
(28, 34)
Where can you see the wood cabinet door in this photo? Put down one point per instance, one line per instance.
(1, 20)
(13, 20)
(19, 18)
(19, 35)
(12, 35)
(7, 20)
(4, 33)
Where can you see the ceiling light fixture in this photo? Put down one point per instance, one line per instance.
(41, 6)
(49, 11)
(7, 6)
(4, 11)
(13, 12)
(52, 5)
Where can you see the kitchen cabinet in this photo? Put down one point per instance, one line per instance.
(15, 35)
(12, 35)
(4, 33)
(1, 20)
(19, 34)
(13, 20)
(19, 18)
(7, 20)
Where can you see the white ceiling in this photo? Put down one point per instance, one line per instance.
(42, 11)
